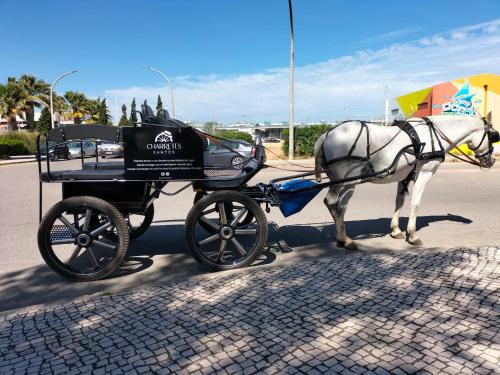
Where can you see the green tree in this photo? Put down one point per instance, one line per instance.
(133, 116)
(37, 94)
(234, 134)
(104, 117)
(79, 105)
(124, 120)
(304, 139)
(43, 124)
(159, 105)
(12, 102)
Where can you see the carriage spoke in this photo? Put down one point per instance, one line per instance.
(64, 241)
(238, 246)
(240, 214)
(68, 225)
(74, 255)
(222, 213)
(104, 244)
(209, 239)
(246, 231)
(76, 221)
(101, 229)
(92, 257)
(209, 222)
(222, 248)
(86, 223)
(208, 211)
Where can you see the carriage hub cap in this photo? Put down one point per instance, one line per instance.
(226, 232)
(83, 239)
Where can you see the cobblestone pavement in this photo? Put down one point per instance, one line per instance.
(427, 311)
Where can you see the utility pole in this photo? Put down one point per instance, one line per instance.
(292, 121)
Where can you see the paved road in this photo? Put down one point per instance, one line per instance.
(427, 312)
(460, 207)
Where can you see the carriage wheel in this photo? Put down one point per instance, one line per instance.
(226, 245)
(73, 238)
(138, 223)
(242, 224)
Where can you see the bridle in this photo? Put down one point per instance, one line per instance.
(485, 157)
(492, 135)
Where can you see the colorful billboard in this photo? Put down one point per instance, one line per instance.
(470, 96)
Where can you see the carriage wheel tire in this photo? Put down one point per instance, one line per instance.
(82, 202)
(247, 220)
(143, 227)
(213, 198)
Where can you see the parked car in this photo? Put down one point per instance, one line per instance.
(221, 156)
(75, 149)
(109, 150)
(272, 140)
(56, 151)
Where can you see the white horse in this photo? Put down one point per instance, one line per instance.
(385, 145)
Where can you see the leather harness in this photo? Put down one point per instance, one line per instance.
(418, 145)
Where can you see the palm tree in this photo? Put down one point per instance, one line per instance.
(92, 109)
(97, 111)
(37, 95)
(12, 102)
(78, 103)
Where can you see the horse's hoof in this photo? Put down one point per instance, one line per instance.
(348, 245)
(351, 245)
(417, 242)
(399, 236)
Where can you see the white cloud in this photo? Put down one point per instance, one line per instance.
(392, 35)
(350, 86)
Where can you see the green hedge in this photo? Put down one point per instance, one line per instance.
(11, 147)
(304, 139)
(27, 139)
(234, 134)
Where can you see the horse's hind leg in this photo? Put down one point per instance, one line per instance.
(416, 196)
(336, 201)
(400, 200)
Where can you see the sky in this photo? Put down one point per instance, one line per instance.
(228, 59)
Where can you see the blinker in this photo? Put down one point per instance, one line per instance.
(493, 136)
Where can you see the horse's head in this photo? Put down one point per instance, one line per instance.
(482, 144)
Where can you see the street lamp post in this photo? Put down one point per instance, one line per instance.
(170, 85)
(51, 95)
(292, 123)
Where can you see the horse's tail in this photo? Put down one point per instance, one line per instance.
(319, 157)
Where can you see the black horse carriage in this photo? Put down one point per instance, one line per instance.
(86, 235)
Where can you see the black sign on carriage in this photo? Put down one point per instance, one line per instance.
(162, 153)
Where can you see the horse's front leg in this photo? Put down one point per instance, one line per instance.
(416, 196)
(400, 200)
(337, 200)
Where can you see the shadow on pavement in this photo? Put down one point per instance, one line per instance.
(161, 256)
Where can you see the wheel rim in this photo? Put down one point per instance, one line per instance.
(238, 162)
(218, 236)
(78, 240)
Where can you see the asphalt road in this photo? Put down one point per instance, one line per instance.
(460, 208)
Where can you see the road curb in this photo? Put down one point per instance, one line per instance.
(16, 161)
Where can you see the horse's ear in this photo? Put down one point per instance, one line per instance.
(488, 117)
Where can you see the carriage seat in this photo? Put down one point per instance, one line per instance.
(81, 175)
